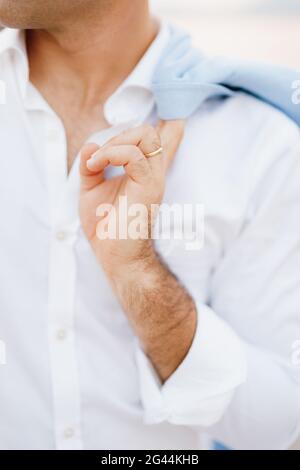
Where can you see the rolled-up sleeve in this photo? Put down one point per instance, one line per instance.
(200, 390)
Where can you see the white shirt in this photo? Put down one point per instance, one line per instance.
(75, 376)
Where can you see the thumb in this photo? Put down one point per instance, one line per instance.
(171, 134)
(89, 179)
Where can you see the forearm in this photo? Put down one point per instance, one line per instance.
(161, 311)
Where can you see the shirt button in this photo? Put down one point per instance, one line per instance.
(61, 334)
(69, 433)
(52, 134)
(61, 236)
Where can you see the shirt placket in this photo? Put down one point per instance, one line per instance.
(63, 193)
(62, 279)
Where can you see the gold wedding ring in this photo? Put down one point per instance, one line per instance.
(154, 154)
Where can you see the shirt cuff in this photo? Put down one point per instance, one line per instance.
(201, 388)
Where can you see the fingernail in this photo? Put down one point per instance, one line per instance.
(91, 159)
(90, 163)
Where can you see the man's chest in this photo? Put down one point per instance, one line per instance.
(79, 125)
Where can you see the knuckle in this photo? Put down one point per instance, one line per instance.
(151, 133)
(156, 143)
(148, 129)
(137, 154)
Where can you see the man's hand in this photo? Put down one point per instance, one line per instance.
(160, 310)
(143, 183)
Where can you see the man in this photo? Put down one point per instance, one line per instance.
(106, 347)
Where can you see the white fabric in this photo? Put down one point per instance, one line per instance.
(75, 375)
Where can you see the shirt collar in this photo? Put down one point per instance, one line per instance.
(132, 101)
(12, 39)
(12, 43)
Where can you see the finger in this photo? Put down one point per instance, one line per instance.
(128, 156)
(145, 137)
(89, 178)
(171, 134)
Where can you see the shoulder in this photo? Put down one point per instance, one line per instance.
(240, 132)
(231, 146)
(246, 116)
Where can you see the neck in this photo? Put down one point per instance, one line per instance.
(91, 56)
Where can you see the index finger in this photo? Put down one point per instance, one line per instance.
(171, 134)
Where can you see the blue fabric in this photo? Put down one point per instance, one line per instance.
(184, 79)
(219, 446)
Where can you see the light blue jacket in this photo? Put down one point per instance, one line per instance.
(184, 79)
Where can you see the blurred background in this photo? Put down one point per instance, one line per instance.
(268, 30)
